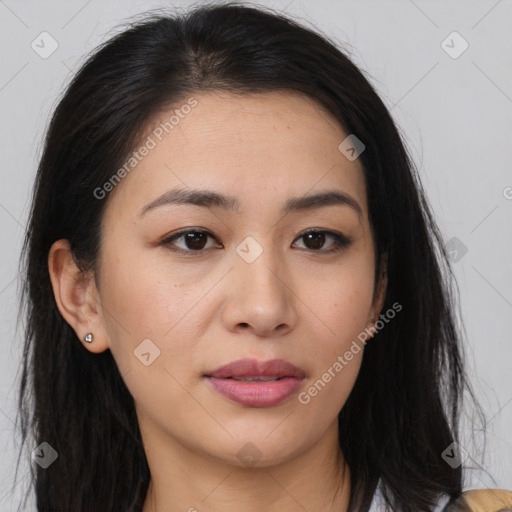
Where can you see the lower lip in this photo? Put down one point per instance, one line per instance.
(256, 394)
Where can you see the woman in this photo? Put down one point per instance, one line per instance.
(234, 297)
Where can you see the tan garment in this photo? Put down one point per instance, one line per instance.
(483, 500)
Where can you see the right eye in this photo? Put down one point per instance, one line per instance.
(194, 239)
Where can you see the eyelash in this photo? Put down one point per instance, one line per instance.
(341, 241)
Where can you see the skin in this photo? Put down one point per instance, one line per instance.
(294, 302)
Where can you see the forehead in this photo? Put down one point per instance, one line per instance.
(260, 148)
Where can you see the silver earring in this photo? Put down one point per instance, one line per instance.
(88, 337)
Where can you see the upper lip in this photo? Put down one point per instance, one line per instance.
(255, 368)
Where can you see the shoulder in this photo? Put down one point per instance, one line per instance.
(482, 500)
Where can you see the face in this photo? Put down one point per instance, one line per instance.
(248, 281)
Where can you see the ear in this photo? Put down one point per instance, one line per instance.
(380, 293)
(76, 296)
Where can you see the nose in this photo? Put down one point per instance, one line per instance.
(261, 296)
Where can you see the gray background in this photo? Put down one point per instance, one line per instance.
(454, 112)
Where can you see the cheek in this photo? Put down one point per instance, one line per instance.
(147, 328)
(144, 290)
(335, 354)
(341, 301)
(141, 304)
(340, 309)
(327, 391)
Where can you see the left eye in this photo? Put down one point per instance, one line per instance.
(316, 239)
(195, 240)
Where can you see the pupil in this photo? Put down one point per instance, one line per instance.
(317, 238)
(193, 239)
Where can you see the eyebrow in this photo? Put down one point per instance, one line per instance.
(210, 199)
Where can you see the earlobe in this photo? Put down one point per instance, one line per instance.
(381, 292)
(379, 296)
(76, 296)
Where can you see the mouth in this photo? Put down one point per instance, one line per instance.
(256, 378)
(251, 369)
(251, 383)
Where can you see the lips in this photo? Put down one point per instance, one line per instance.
(253, 369)
(252, 383)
